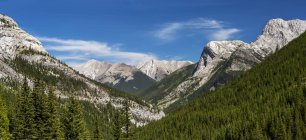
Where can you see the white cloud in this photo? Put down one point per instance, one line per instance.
(213, 28)
(78, 51)
(224, 34)
(167, 32)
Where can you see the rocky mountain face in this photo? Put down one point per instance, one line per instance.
(121, 76)
(222, 60)
(22, 55)
(158, 69)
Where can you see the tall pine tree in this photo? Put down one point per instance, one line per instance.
(53, 128)
(126, 118)
(73, 123)
(117, 126)
(41, 110)
(23, 122)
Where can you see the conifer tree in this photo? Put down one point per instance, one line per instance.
(117, 126)
(53, 129)
(24, 121)
(41, 110)
(97, 129)
(73, 123)
(126, 119)
(4, 122)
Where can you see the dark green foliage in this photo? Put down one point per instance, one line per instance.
(73, 121)
(41, 112)
(97, 130)
(117, 124)
(267, 102)
(23, 123)
(54, 128)
(4, 122)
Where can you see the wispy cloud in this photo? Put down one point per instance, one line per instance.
(215, 30)
(78, 51)
(224, 34)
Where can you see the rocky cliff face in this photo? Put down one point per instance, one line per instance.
(228, 58)
(20, 51)
(158, 69)
(13, 38)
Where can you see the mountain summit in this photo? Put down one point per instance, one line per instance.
(158, 69)
(13, 38)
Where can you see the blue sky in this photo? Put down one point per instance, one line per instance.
(130, 31)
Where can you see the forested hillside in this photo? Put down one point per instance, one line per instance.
(39, 114)
(267, 102)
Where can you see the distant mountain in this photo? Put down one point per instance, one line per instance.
(222, 60)
(158, 69)
(22, 55)
(266, 102)
(121, 76)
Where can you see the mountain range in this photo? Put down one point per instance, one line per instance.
(179, 81)
(266, 102)
(23, 56)
(220, 62)
(131, 79)
(236, 90)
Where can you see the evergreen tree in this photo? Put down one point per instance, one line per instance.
(53, 127)
(117, 126)
(73, 122)
(97, 129)
(41, 110)
(24, 122)
(126, 120)
(4, 122)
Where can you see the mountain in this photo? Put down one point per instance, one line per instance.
(120, 76)
(266, 102)
(221, 61)
(158, 69)
(22, 55)
(157, 91)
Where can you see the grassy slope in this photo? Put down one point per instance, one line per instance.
(267, 102)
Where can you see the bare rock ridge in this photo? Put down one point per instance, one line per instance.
(13, 38)
(121, 76)
(16, 43)
(158, 69)
(238, 56)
